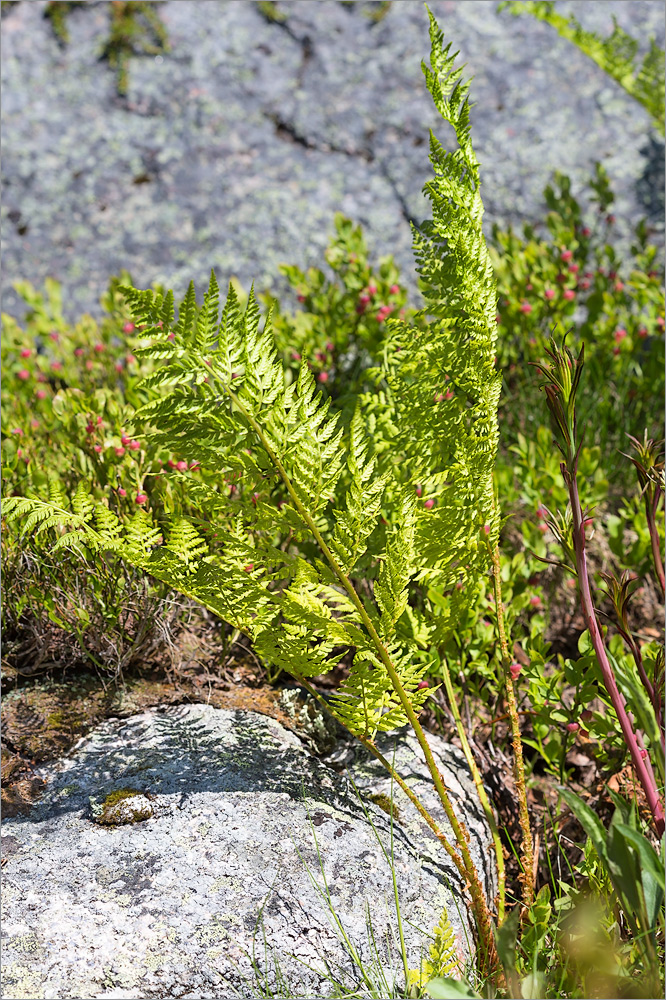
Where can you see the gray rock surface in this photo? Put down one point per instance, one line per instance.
(235, 150)
(241, 819)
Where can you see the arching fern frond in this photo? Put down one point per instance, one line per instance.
(617, 54)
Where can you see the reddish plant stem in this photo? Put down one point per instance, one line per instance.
(651, 507)
(643, 772)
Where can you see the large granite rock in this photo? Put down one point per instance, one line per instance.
(171, 848)
(235, 150)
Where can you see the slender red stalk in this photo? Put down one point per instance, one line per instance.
(645, 775)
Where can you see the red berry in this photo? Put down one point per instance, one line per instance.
(181, 466)
(249, 567)
(330, 346)
(78, 351)
(549, 293)
(372, 289)
(660, 322)
(486, 529)
(90, 428)
(448, 394)
(619, 335)
(26, 352)
(301, 298)
(569, 294)
(98, 448)
(128, 328)
(17, 430)
(89, 365)
(525, 307)
(41, 394)
(125, 439)
(429, 504)
(642, 332)
(418, 490)
(618, 286)
(514, 670)
(573, 268)
(572, 727)
(130, 359)
(99, 348)
(23, 374)
(535, 601)
(566, 255)
(422, 685)
(134, 445)
(586, 231)
(394, 290)
(120, 452)
(140, 498)
(616, 351)
(171, 464)
(585, 284)
(171, 336)
(322, 377)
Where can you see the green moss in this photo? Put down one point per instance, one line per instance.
(271, 12)
(384, 802)
(123, 806)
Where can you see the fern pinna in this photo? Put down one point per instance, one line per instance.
(296, 564)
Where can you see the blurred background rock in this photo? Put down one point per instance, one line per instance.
(233, 149)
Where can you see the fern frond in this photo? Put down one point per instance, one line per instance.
(616, 54)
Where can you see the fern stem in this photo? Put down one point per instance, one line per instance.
(527, 859)
(480, 905)
(481, 791)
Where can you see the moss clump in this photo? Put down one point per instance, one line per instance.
(384, 802)
(125, 805)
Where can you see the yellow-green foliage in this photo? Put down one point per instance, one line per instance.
(316, 501)
(615, 54)
(443, 959)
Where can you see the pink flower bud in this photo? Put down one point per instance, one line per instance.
(89, 366)
(619, 335)
(644, 754)
(322, 377)
(573, 268)
(34, 424)
(181, 466)
(586, 715)
(549, 293)
(439, 397)
(566, 255)
(660, 322)
(171, 336)
(586, 231)
(125, 440)
(128, 328)
(98, 448)
(618, 286)
(90, 428)
(99, 421)
(296, 356)
(130, 359)
(26, 352)
(541, 512)
(572, 727)
(171, 464)
(17, 430)
(429, 504)
(120, 452)
(99, 348)
(543, 528)
(134, 445)
(41, 394)
(449, 394)
(569, 294)
(535, 601)
(78, 351)
(422, 685)
(394, 290)
(514, 670)
(55, 336)
(301, 298)
(330, 346)
(140, 498)
(418, 490)
(372, 289)
(249, 567)
(642, 332)
(525, 307)
(122, 492)
(118, 366)
(585, 284)
(610, 219)
(616, 351)
(486, 529)
(23, 374)
(19, 452)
